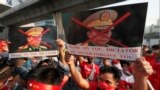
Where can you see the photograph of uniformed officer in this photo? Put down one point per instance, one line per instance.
(4, 45)
(100, 21)
(34, 40)
(4, 48)
(121, 26)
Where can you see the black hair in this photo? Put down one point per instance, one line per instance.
(113, 70)
(49, 61)
(149, 52)
(47, 75)
(39, 64)
(155, 47)
(124, 62)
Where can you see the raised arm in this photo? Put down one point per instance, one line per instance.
(142, 69)
(80, 59)
(61, 46)
(81, 82)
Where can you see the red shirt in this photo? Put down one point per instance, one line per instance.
(155, 77)
(123, 85)
(94, 86)
(87, 68)
(151, 59)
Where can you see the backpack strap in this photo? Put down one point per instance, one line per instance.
(91, 75)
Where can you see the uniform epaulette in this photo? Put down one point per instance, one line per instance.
(23, 47)
(44, 47)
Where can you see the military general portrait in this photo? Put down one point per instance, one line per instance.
(33, 39)
(121, 26)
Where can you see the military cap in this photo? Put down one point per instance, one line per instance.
(101, 18)
(35, 31)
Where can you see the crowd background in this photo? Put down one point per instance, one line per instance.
(69, 72)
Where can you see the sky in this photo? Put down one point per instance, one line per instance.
(152, 13)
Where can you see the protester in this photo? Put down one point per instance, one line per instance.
(116, 63)
(155, 48)
(145, 48)
(9, 80)
(110, 76)
(89, 69)
(45, 78)
(21, 70)
(152, 56)
(106, 62)
(63, 66)
(127, 78)
(5, 74)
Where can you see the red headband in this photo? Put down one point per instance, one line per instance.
(34, 85)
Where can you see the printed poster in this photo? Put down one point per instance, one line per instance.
(115, 32)
(4, 50)
(32, 41)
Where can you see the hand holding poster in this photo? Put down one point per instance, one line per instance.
(115, 32)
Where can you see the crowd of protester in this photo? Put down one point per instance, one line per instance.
(152, 55)
(73, 72)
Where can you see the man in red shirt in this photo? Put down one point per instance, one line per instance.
(151, 57)
(109, 76)
(89, 70)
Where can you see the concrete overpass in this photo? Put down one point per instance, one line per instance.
(35, 10)
(3, 8)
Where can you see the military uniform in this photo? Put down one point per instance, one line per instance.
(37, 32)
(92, 44)
(32, 49)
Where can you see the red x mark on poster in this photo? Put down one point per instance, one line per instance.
(106, 30)
(44, 32)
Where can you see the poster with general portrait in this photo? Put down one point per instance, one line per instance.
(4, 43)
(4, 49)
(114, 32)
(33, 41)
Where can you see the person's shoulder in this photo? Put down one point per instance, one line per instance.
(84, 62)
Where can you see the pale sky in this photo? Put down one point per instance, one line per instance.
(152, 13)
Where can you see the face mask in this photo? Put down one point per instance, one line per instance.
(129, 71)
(104, 86)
